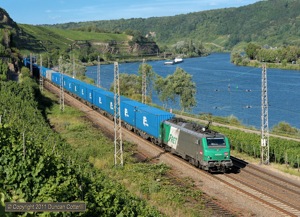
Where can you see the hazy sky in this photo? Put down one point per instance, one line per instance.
(62, 11)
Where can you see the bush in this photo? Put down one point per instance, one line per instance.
(285, 128)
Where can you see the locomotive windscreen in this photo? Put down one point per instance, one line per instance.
(215, 142)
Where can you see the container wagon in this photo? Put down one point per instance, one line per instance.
(148, 122)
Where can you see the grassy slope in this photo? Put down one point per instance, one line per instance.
(48, 38)
(91, 36)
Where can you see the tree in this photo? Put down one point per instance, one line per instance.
(236, 58)
(3, 70)
(164, 89)
(284, 128)
(25, 74)
(252, 50)
(130, 86)
(177, 86)
(185, 88)
(2, 50)
(291, 53)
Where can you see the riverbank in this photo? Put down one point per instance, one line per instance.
(131, 60)
(286, 66)
(244, 61)
(140, 59)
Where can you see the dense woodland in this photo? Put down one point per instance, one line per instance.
(272, 22)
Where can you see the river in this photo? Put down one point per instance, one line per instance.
(224, 89)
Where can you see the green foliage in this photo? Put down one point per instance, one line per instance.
(189, 48)
(2, 50)
(3, 70)
(30, 169)
(107, 198)
(249, 143)
(163, 89)
(31, 173)
(285, 128)
(130, 86)
(236, 58)
(25, 74)
(252, 50)
(285, 57)
(178, 85)
(38, 166)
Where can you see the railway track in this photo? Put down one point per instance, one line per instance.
(293, 186)
(278, 192)
(285, 206)
(216, 206)
(247, 182)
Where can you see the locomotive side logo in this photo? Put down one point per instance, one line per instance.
(173, 137)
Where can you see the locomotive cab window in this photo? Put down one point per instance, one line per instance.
(215, 142)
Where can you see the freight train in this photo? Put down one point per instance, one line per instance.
(202, 147)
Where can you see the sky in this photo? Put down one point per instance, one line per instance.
(63, 11)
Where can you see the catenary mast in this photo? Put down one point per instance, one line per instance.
(41, 75)
(98, 73)
(117, 118)
(61, 95)
(144, 83)
(264, 119)
(31, 71)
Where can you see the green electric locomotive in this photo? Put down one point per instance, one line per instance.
(202, 147)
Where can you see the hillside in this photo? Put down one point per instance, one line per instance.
(47, 38)
(272, 22)
(87, 45)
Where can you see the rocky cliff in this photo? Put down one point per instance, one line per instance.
(8, 33)
(5, 19)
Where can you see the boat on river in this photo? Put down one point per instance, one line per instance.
(178, 60)
(175, 61)
(171, 62)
